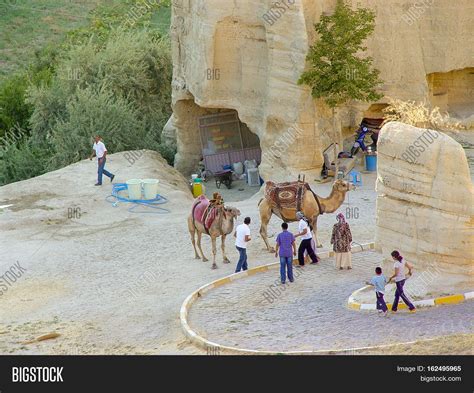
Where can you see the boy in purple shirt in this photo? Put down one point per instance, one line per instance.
(285, 244)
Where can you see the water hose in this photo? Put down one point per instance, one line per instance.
(360, 245)
(115, 198)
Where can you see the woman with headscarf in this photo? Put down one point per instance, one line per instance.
(341, 240)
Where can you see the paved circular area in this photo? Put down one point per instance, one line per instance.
(311, 314)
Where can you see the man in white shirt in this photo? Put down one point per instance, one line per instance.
(242, 236)
(306, 236)
(99, 150)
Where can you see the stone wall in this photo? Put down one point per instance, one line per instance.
(232, 55)
(425, 199)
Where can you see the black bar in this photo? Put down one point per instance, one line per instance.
(220, 373)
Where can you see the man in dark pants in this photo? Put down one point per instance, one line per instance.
(242, 237)
(306, 236)
(100, 151)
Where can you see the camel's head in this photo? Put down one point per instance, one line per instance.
(231, 211)
(343, 186)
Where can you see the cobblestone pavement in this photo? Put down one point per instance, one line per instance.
(311, 313)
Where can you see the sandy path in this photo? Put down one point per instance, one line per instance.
(110, 281)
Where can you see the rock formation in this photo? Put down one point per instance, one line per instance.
(240, 55)
(425, 199)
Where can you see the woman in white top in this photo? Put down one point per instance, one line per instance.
(399, 275)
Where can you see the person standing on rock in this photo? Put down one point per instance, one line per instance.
(341, 240)
(306, 236)
(242, 236)
(99, 150)
(400, 278)
(285, 244)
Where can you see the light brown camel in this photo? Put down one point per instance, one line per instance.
(222, 226)
(309, 207)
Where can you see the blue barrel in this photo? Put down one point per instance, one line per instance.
(371, 162)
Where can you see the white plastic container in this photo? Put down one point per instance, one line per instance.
(238, 168)
(253, 177)
(134, 187)
(150, 188)
(250, 164)
(194, 176)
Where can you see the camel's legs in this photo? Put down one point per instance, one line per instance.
(315, 233)
(199, 234)
(214, 252)
(265, 215)
(225, 259)
(192, 232)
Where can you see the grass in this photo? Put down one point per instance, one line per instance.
(161, 20)
(29, 25)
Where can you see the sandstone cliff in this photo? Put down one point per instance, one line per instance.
(425, 199)
(239, 55)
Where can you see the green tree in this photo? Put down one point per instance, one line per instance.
(338, 72)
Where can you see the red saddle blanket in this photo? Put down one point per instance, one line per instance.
(287, 195)
(204, 212)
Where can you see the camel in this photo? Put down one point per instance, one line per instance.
(309, 207)
(222, 226)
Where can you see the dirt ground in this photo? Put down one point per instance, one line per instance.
(111, 281)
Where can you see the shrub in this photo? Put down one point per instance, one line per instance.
(118, 86)
(121, 90)
(22, 160)
(133, 65)
(92, 112)
(13, 109)
(418, 114)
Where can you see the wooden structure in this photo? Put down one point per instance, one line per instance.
(225, 140)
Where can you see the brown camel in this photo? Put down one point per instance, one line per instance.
(222, 226)
(309, 207)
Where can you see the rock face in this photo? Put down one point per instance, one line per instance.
(240, 55)
(425, 199)
(168, 136)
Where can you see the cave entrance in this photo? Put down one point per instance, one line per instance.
(452, 92)
(227, 144)
(225, 140)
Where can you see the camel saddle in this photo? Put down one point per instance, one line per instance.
(288, 195)
(205, 211)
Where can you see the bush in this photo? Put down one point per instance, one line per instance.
(167, 153)
(118, 86)
(22, 160)
(133, 65)
(92, 112)
(13, 109)
(419, 114)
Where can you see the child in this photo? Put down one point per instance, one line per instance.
(285, 244)
(379, 281)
